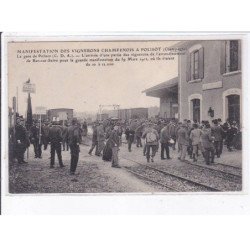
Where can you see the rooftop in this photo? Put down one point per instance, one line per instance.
(162, 88)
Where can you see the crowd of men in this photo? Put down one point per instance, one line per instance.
(59, 136)
(189, 138)
(192, 138)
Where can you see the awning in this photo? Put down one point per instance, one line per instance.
(170, 86)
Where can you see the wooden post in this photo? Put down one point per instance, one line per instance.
(40, 129)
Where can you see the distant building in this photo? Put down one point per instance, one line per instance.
(124, 114)
(208, 85)
(60, 114)
(101, 117)
(133, 113)
(153, 111)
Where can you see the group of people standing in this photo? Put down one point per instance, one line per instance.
(110, 132)
(206, 138)
(188, 137)
(60, 137)
(192, 138)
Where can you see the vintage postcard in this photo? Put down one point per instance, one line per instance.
(123, 114)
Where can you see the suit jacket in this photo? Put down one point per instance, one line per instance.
(195, 136)
(182, 135)
(164, 135)
(206, 138)
(55, 134)
(114, 139)
(21, 135)
(74, 135)
(217, 132)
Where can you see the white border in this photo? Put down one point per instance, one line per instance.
(123, 203)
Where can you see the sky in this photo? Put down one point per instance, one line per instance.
(82, 88)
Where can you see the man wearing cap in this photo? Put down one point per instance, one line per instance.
(21, 141)
(207, 141)
(100, 138)
(55, 139)
(183, 140)
(45, 135)
(151, 136)
(164, 139)
(217, 132)
(74, 139)
(35, 138)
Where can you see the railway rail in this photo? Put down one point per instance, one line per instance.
(192, 183)
(236, 177)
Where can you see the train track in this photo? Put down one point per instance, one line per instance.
(187, 181)
(227, 165)
(151, 180)
(237, 177)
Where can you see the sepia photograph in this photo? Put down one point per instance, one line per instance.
(150, 116)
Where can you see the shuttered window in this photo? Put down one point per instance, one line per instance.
(230, 56)
(195, 65)
(195, 71)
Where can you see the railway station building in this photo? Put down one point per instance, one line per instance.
(208, 85)
(168, 94)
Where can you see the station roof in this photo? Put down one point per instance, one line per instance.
(162, 88)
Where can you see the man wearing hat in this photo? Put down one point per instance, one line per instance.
(94, 139)
(183, 140)
(35, 138)
(74, 139)
(21, 141)
(45, 135)
(55, 139)
(100, 138)
(207, 141)
(151, 137)
(164, 139)
(218, 132)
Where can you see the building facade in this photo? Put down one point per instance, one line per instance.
(208, 85)
(210, 80)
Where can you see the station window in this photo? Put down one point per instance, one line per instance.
(231, 56)
(195, 65)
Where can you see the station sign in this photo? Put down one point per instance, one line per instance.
(29, 87)
(41, 110)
